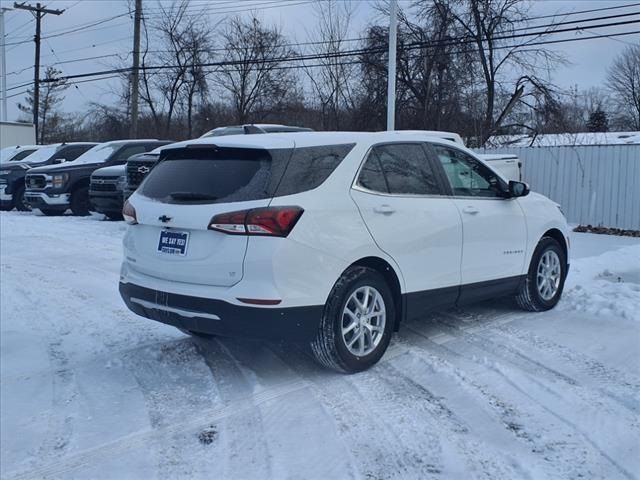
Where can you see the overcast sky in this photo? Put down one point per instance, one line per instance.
(112, 39)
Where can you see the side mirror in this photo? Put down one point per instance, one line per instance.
(518, 189)
(59, 160)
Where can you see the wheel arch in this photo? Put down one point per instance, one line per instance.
(388, 272)
(558, 236)
(81, 182)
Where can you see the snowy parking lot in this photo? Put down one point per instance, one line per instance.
(89, 390)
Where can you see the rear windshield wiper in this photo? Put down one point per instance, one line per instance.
(191, 196)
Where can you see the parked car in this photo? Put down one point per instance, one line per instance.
(333, 239)
(55, 188)
(17, 152)
(253, 129)
(139, 168)
(106, 190)
(12, 175)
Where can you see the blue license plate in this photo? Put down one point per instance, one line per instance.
(173, 242)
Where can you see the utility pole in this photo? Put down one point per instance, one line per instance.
(38, 12)
(3, 64)
(133, 132)
(391, 79)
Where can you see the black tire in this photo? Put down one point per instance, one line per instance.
(80, 204)
(114, 215)
(329, 347)
(196, 334)
(6, 208)
(52, 212)
(18, 200)
(529, 297)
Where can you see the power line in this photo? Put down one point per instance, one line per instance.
(348, 53)
(105, 76)
(453, 41)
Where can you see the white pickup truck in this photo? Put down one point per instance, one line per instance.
(506, 164)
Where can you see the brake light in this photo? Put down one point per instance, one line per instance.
(129, 213)
(269, 221)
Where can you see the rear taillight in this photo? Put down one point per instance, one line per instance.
(270, 221)
(129, 213)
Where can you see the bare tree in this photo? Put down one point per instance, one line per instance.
(51, 91)
(184, 48)
(330, 77)
(254, 74)
(489, 26)
(624, 82)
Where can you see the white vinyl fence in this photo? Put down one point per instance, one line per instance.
(596, 185)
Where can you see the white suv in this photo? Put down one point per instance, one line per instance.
(332, 239)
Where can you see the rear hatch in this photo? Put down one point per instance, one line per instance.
(176, 202)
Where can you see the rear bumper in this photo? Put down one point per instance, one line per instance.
(205, 315)
(106, 203)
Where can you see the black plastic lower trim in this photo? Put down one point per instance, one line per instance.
(418, 303)
(293, 324)
(106, 204)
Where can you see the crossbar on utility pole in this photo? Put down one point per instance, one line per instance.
(135, 81)
(38, 12)
(391, 78)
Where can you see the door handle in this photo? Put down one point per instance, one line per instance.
(384, 209)
(470, 210)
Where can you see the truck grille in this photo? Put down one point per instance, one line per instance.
(136, 171)
(36, 181)
(104, 184)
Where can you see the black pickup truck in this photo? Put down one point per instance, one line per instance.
(54, 189)
(12, 174)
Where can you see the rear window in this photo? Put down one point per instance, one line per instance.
(223, 175)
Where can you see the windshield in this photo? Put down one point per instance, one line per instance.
(97, 154)
(42, 155)
(7, 153)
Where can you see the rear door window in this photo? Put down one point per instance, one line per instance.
(400, 169)
(309, 167)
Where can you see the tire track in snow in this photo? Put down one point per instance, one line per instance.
(149, 439)
(173, 377)
(243, 433)
(526, 421)
(382, 458)
(620, 385)
(460, 394)
(298, 433)
(419, 406)
(564, 402)
(485, 340)
(63, 384)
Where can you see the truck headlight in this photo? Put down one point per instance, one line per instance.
(58, 181)
(5, 172)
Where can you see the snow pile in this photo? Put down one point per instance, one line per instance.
(563, 139)
(607, 285)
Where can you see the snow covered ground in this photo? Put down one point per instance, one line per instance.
(89, 390)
